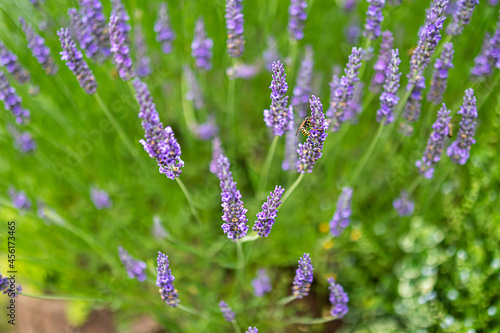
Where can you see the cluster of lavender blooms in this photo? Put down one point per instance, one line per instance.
(164, 32)
(462, 16)
(440, 75)
(262, 283)
(100, 198)
(311, 150)
(119, 30)
(83, 31)
(270, 54)
(303, 277)
(279, 117)
(38, 48)
(344, 92)
(165, 281)
(142, 59)
(302, 89)
(342, 216)
(235, 221)
(389, 98)
(19, 199)
(159, 142)
(459, 150)
(135, 268)
(252, 330)
(93, 17)
(194, 93)
(403, 205)
(201, 47)
(23, 141)
(12, 101)
(227, 313)
(216, 152)
(12, 65)
(489, 57)
(207, 130)
(374, 19)
(382, 62)
(430, 35)
(76, 63)
(267, 216)
(234, 28)
(297, 18)
(432, 153)
(338, 299)
(413, 107)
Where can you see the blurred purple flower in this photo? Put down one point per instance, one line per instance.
(83, 31)
(19, 199)
(271, 54)
(489, 57)
(303, 277)
(93, 16)
(234, 28)
(135, 268)
(227, 313)
(142, 59)
(403, 204)
(350, 4)
(352, 33)
(243, 71)
(165, 281)
(38, 48)
(194, 92)
(119, 30)
(413, 107)
(100, 198)
(12, 65)
(338, 298)
(267, 216)
(163, 28)
(12, 101)
(262, 283)
(202, 46)
(278, 117)
(374, 19)
(297, 17)
(389, 98)
(206, 130)
(158, 230)
(302, 89)
(383, 60)
(252, 330)
(342, 216)
(462, 16)
(23, 141)
(440, 75)
(216, 152)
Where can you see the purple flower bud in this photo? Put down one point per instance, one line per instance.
(23, 141)
(489, 56)
(38, 48)
(142, 60)
(19, 199)
(194, 92)
(432, 153)
(216, 152)
(413, 107)
(159, 142)
(403, 204)
(303, 277)
(462, 16)
(135, 268)
(93, 16)
(342, 216)
(389, 98)
(163, 28)
(262, 283)
(76, 63)
(206, 130)
(271, 55)
(13, 67)
(459, 150)
(252, 330)
(120, 41)
(234, 27)
(440, 75)
(297, 18)
(338, 298)
(302, 90)
(374, 19)
(228, 314)
(100, 198)
(12, 101)
(83, 31)
(267, 216)
(202, 46)
(383, 60)
(165, 281)
(279, 118)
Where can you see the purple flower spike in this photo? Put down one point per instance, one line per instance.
(120, 41)
(489, 56)
(38, 48)
(262, 283)
(12, 101)
(303, 277)
(383, 60)
(13, 67)
(228, 314)
(338, 298)
(83, 31)
(194, 93)
(279, 117)
(135, 268)
(413, 107)
(93, 17)
(234, 217)
(163, 28)
(19, 199)
(267, 217)
(76, 63)
(271, 55)
(207, 130)
(202, 46)
(342, 216)
(165, 281)
(403, 204)
(143, 62)
(216, 152)
(462, 16)
(159, 142)
(100, 198)
(234, 27)
(432, 153)
(23, 141)
(389, 98)
(297, 18)
(440, 75)
(252, 330)
(311, 150)
(374, 19)
(302, 90)
(345, 91)
(459, 150)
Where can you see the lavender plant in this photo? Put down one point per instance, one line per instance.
(234, 28)
(227, 313)
(135, 268)
(92, 16)
(279, 117)
(10, 62)
(374, 19)
(165, 281)
(38, 48)
(165, 35)
(302, 89)
(142, 61)
(262, 283)
(202, 46)
(403, 204)
(342, 216)
(439, 81)
(462, 16)
(119, 30)
(389, 98)
(338, 299)
(297, 17)
(12, 101)
(303, 277)
(382, 62)
(267, 216)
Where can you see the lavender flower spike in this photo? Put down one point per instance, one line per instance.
(19, 199)
(164, 33)
(389, 98)
(234, 27)
(302, 89)
(462, 16)
(92, 14)
(100, 198)
(83, 31)
(262, 283)
(342, 216)
(404, 205)
(165, 281)
(202, 46)
(234, 217)
(303, 277)
(440, 75)
(279, 117)
(228, 314)
(12, 101)
(382, 62)
(297, 17)
(252, 330)
(489, 56)
(159, 142)
(76, 63)
(459, 150)
(311, 150)
(23, 141)
(120, 41)
(413, 107)
(374, 19)
(38, 48)
(338, 298)
(216, 152)
(135, 268)
(143, 62)
(267, 217)
(9, 61)
(270, 55)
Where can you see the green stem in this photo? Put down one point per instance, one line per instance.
(189, 310)
(235, 326)
(241, 261)
(189, 199)
(249, 238)
(292, 52)
(292, 188)
(64, 298)
(310, 321)
(414, 185)
(286, 300)
(267, 166)
(187, 106)
(230, 101)
(367, 154)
